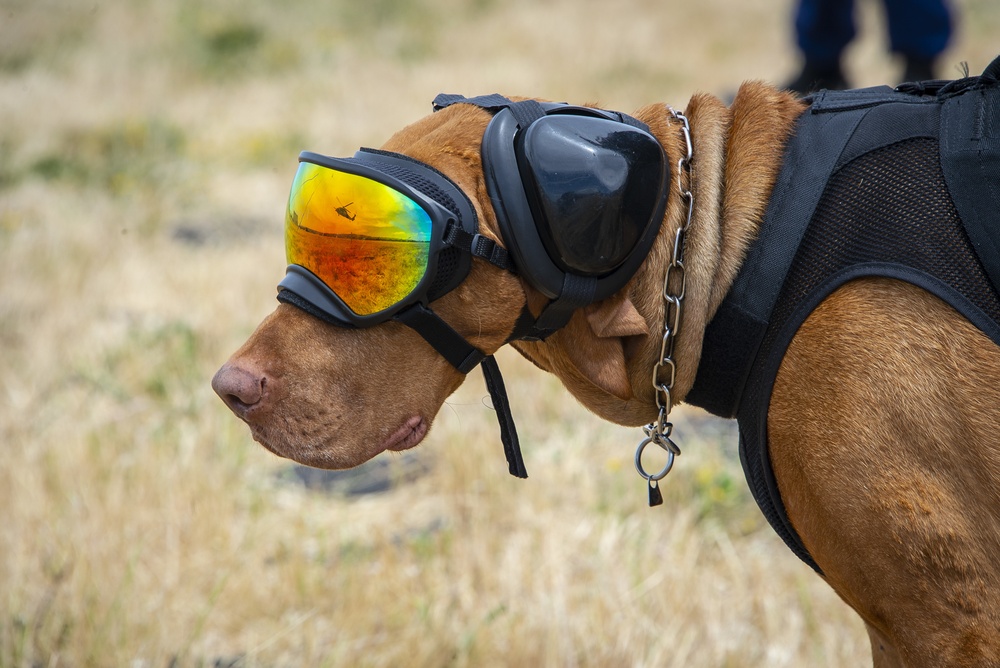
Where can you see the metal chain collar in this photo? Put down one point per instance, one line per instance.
(674, 283)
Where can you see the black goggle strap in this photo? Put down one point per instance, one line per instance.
(464, 356)
(460, 353)
(577, 292)
(478, 246)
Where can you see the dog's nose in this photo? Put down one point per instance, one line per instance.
(240, 388)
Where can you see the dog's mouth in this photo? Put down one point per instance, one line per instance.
(408, 435)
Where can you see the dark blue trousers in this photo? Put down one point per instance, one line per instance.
(917, 28)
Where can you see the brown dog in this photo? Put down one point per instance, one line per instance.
(886, 453)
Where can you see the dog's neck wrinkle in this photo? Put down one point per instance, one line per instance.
(737, 156)
(763, 119)
(710, 121)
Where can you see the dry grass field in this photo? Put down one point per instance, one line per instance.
(146, 149)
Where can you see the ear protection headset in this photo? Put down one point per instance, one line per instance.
(579, 194)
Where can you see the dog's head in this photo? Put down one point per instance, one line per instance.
(335, 376)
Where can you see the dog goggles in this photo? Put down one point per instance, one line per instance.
(367, 237)
(368, 242)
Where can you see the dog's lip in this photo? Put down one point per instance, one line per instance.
(408, 435)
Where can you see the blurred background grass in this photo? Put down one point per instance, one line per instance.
(146, 148)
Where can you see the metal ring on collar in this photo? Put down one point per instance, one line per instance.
(665, 470)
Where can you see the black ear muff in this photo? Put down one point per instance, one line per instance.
(593, 186)
(578, 194)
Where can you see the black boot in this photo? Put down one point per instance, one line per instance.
(918, 68)
(815, 77)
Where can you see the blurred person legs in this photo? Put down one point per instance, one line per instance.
(919, 30)
(823, 29)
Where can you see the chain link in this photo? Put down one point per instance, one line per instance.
(674, 285)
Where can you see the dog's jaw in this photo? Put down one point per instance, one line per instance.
(321, 454)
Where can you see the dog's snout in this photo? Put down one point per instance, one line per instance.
(240, 388)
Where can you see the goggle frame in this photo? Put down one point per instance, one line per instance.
(310, 287)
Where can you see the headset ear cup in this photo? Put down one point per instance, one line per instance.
(576, 193)
(593, 186)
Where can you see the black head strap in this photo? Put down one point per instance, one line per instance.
(453, 347)
(525, 111)
(464, 356)
(508, 433)
(577, 292)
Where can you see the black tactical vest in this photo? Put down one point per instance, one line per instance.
(901, 183)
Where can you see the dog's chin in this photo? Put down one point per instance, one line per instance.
(407, 436)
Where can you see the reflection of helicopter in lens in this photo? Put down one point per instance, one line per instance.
(342, 210)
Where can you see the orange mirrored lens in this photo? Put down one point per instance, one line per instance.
(369, 243)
